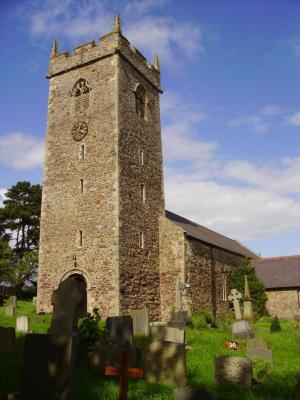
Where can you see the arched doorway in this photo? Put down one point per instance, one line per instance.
(81, 282)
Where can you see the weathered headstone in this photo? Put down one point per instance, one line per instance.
(34, 301)
(49, 367)
(9, 310)
(140, 319)
(235, 370)
(235, 296)
(13, 301)
(179, 317)
(167, 334)
(120, 330)
(65, 300)
(261, 354)
(49, 359)
(165, 362)
(7, 339)
(193, 394)
(241, 330)
(257, 343)
(179, 288)
(22, 324)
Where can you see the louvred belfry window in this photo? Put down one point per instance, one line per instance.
(140, 100)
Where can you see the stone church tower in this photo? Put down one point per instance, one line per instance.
(103, 185)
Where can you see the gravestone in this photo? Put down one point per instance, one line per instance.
(7, 339)
(34, 301)
(165, 362)
(257, 343)
(50, 359)
(167, 334)
(241, 330)
(140, 319)
(65, 300)
(193, 394)
(120, 331)
(49, 367)
(235, 296)
(261, 354)
(22, 324)
(234, 370)
(179, 317)
(13, 301)
(9, 310)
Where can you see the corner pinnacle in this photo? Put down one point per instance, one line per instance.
(156, 63)
(53, 49)
(117, 24)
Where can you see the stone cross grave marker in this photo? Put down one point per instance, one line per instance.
(179, 288)
(235, 296)
(124, 372)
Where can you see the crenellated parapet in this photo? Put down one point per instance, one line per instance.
(109, 45)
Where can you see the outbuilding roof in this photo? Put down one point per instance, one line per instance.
(278, 272)
(210, 237)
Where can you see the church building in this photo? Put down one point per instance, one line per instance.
(103, 219)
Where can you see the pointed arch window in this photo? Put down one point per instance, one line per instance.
(140, 101)
(81, 93)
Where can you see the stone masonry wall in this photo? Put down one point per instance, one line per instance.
(172, 264)
(139, 267)
(200, 275)
(65, 210)
(283, 303)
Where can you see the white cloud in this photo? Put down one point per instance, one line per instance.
(294, 119)
(240, 198)
(254, 123)
(21, 151)
(272, 109)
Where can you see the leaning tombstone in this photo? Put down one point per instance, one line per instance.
(120, 331)
(50, 359)
(165, 362)
(9, 310)
(7, 339)
(234, 370)
(140, 320)
(22, 324)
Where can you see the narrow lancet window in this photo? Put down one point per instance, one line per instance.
(141, 239)
(141, 156)
(224, 287)
(143, 193)
(82, 152)
(81, 186)
(80, 238)
(140, 101)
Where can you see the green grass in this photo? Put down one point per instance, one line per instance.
(203, 346)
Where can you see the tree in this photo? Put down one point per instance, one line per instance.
(20, 217)
(19, 233)
(257, 288)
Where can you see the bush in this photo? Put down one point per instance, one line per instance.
(257, 288)
(260, 369)
(275, 325)
(201, 319)
(89, 329)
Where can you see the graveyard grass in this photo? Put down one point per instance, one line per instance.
(203, 346)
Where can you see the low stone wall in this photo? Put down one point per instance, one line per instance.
(283, 303)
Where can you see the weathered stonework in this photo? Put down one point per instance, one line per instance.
(283, 302)
(105, 208)
(103, 216)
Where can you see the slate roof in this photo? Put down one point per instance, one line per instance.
(278, 272)
(210, 237)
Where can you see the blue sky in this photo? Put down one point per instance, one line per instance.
(230, 110)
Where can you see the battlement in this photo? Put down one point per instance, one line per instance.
(109, 44)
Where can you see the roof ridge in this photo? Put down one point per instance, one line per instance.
(262, 259)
